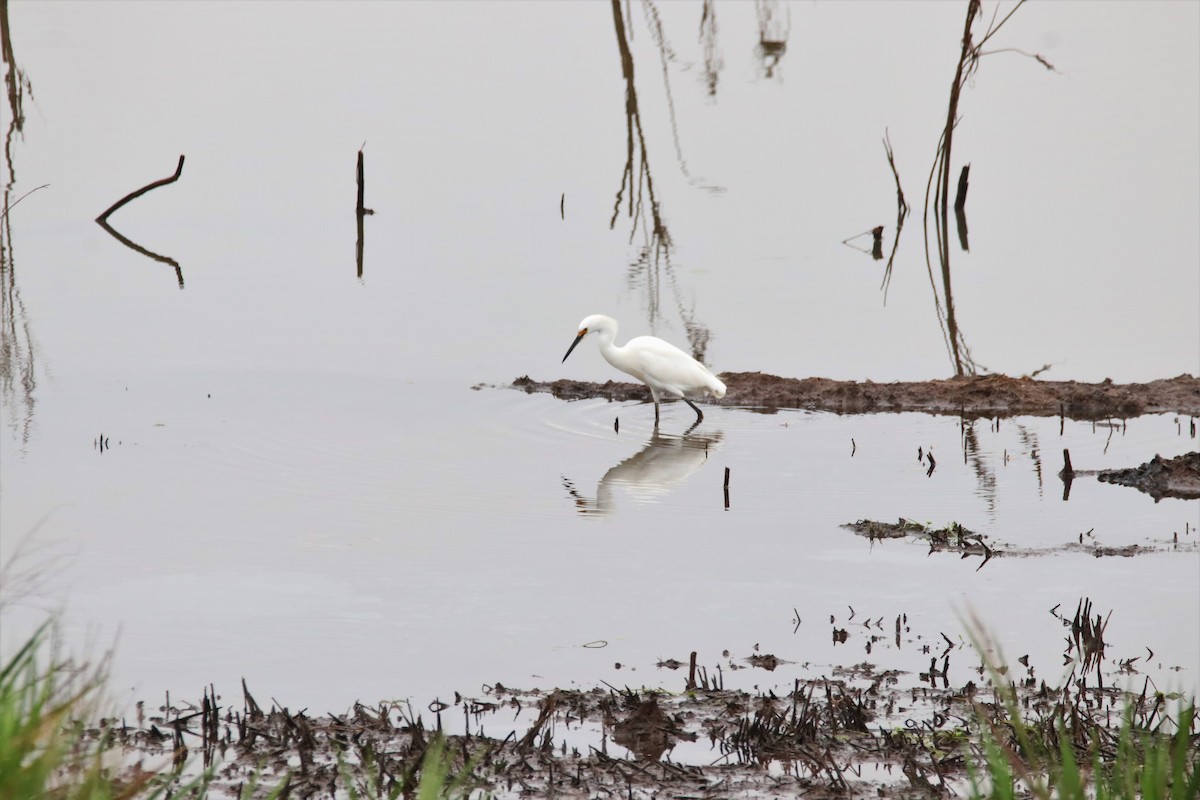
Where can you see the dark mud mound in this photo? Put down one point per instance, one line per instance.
(976, 396)
(1161, 477)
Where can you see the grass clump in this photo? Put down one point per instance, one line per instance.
(1067, 751)
(434, 778)
(42, 752)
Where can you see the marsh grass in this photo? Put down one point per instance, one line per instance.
(1066, 756)
(42, 753)
(435, 779)
(1149, 766)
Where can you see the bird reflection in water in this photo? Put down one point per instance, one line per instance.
(665, 462)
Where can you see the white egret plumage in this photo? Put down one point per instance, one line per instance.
(662, 366)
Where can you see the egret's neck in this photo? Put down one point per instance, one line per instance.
(612, 353)
(604, 337)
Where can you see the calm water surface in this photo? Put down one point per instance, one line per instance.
(298, 483)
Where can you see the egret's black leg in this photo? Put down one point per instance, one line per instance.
(691, 428)
(699, 413)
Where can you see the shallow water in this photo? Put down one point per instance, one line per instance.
(299, 485)
(237, 526)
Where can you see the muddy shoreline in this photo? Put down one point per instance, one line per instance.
(971, 396)
(858, 733)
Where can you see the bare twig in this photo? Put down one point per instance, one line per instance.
(134, 195)
(901, 212)
(19, 199)
(901, 203)
(1038, 57)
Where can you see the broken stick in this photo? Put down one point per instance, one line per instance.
(134, 195)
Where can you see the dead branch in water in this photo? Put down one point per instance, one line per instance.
(102, 221)
(940, 177)
(136, 194)
(937, 190)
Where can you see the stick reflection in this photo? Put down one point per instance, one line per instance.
(713, 64)
(774, 27)
(637, 192)
(132, 245)
(18, 352)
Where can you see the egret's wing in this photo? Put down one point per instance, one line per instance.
(665, 365)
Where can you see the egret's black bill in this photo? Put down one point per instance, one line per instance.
(578, 339)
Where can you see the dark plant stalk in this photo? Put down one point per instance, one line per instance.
(939, 183)
(901, 213)
(973, 7)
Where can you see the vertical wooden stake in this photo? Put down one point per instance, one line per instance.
(360, 212)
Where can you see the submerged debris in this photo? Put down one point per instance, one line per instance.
(955, 538)
(885, 530)
(1160, 477)
(952, 538)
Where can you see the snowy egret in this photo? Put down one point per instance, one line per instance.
(662, 366)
